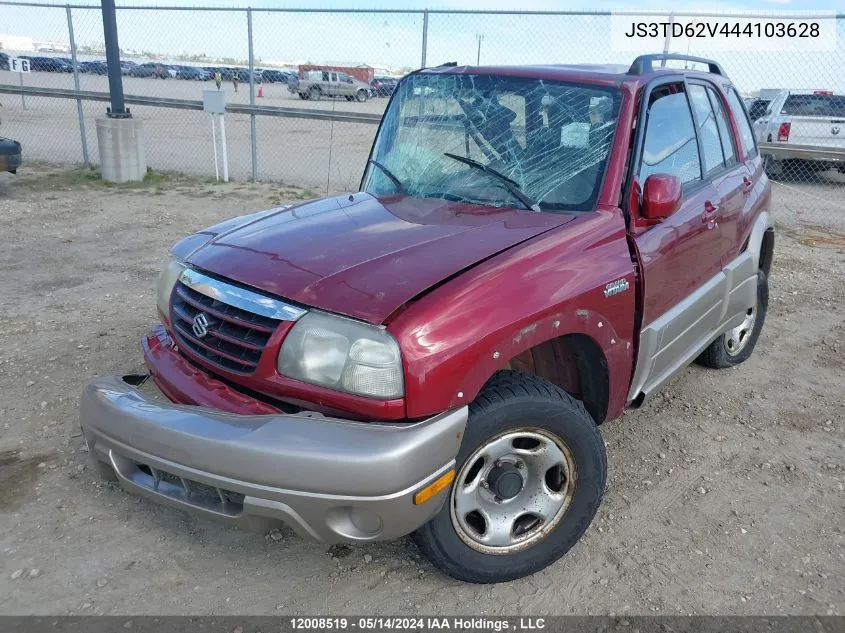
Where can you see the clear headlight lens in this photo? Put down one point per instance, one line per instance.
(166, 280)
(343, 354)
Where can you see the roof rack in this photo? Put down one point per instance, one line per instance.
(645, 63)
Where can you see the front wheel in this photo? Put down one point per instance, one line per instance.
(361, 96)
(531, 473)
(314, 94)
(737, 344)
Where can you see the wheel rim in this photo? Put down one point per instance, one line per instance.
(513, 491)
(737, 339)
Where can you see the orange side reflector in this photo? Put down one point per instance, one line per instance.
(433, 488)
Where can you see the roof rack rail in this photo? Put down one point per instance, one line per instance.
(645, 63)
(448, 65)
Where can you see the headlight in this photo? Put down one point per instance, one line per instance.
(166, 280)
(343, 354)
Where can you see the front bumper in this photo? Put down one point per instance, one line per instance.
(329, 479)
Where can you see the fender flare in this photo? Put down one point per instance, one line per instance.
(498, 352)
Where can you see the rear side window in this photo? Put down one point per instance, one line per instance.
(708, 131)
(832, 106)
(741, 118)
(724, 127)
(670, 145)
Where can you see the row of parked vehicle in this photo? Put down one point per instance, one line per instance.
(380, 86)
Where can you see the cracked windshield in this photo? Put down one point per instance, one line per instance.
(493, 140)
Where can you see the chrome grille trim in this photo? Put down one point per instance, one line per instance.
(240, 298)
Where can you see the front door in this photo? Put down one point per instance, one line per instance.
(680, 257)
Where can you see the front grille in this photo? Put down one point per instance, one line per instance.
(235, 338)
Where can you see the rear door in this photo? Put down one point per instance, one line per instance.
(730, 177)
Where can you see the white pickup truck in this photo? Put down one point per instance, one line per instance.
(806, 128)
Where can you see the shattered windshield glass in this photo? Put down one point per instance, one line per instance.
(494, 140)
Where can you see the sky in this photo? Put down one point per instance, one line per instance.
(395, 40)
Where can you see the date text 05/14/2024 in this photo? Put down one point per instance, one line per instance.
(418, 623)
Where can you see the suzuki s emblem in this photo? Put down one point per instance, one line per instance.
(200, 325)
(834, 130)
(615, 287)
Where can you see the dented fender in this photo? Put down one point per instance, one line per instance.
(576, 279)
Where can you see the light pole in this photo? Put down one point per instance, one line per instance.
(478, 55)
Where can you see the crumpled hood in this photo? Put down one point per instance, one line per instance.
(360, 256)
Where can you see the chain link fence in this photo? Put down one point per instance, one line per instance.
(171, 54)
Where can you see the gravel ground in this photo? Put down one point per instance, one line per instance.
(725, 492)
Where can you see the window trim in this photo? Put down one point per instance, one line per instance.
(713, 93)
(752, 152)
(716, 172)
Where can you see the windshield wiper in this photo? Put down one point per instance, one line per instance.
(399, 186)
(510, 185)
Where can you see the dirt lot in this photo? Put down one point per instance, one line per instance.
(725, 492)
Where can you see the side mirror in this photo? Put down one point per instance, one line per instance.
(661, 196)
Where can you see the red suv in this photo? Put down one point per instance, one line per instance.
(531, 251)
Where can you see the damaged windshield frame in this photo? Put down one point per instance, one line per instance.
(548, 151)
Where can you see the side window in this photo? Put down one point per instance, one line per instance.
(741, 118)
(670, 146)
(708, 132)
(724, 127)
(325, 76)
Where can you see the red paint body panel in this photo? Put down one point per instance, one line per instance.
(363, 257)
(183, 383)
(513, 302)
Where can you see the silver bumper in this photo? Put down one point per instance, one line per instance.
(330, 480)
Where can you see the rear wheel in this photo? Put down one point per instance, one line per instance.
(531, 473)
(736, 345)
(361, 96)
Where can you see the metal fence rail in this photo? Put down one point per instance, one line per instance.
(272, 134)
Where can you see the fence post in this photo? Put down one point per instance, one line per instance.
(252, 96)
(424, 38)
(668, 38)
(76, 87)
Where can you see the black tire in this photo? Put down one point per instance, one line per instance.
(303, 96)
(361, 96)
(717, 356)
(314, 93)
(514, 401)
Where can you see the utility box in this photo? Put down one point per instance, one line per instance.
(214, 101)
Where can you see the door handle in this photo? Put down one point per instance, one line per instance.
(709, 215)
(747, 185)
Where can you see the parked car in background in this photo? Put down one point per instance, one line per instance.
(383, 86)
(317, 84)
(94, 67)
(192, 72)
(434, 353)
(48, 64)
(756, 107)
(803, 132)
(271, 76)
(10, 153)
(126, 66)
(143, 70)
